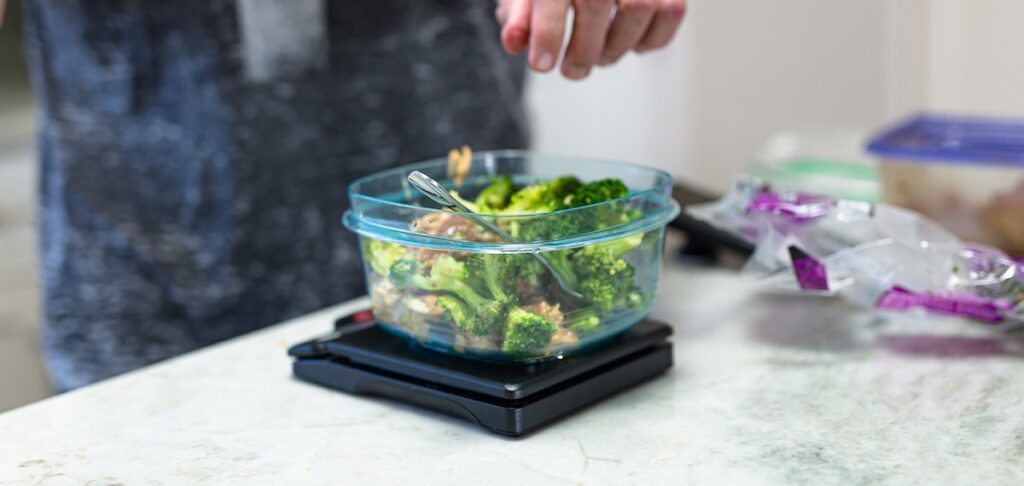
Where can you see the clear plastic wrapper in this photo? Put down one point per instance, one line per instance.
(876, 255)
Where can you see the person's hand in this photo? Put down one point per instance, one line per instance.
(602, 31)
(3, 3)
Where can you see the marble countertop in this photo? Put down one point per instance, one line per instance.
(765, 390)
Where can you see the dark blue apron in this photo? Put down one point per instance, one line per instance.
(195, 155)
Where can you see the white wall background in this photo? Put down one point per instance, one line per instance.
(741, 71)
(744, 70)
(975, 57)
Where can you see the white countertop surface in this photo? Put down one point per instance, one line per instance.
(764, 391)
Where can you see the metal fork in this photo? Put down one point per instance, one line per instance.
(432, 189)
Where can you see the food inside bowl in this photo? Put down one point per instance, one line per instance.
(507, 303)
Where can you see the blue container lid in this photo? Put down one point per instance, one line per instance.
(953, 139)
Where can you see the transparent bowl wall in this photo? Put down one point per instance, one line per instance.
(392, 217)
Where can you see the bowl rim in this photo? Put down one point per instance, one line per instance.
(668, 209)
(389, 234)
(664, 180)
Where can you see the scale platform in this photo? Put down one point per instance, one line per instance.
(509, 399)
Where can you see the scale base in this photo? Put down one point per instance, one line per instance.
(508, 399)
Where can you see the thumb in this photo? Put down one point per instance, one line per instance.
(515, 18)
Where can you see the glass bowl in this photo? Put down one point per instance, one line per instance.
(440, 279)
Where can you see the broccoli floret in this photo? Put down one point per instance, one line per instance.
(560, 189)
(601, 292)
(488, 270)
(450, 275)
(596, 192)
(603, 216)
(447, 274)
(528, 200)
(545, 227)
(636, 299)
(455, 310)
(583, 322)
(472, 206)
(499, 272)
(496, 196)
(489, 318)
(404, 274)
(562, 262)
(543, 197)
(615, 249)
(602, 275)
(554, 197)
(480, 322)
(562, 193)
(381, 255)
(526, 332)
(530, 269)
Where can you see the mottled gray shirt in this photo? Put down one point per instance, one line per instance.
(195, 155)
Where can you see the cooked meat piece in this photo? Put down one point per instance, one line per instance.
(452, 225)
(463, 341)
(444, 224)
(430, 301)
(563, 337)
(550, 312)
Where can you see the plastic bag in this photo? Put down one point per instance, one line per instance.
(874, 254)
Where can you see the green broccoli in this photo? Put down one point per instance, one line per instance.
(566, 193)
(562, 262)
(583, 322)
(456, 311)
(636, 299)
(449, 275)
(587, 219)
(526, 332)
(472, 206)
(405, 274)
(563, 193)
(560, 190)
(545, 227)
(529, 200)
(480, 322)
(530, 270)
(551, 196)
(499, 272)
(381, 254)
(495, 196)
(597, 192)
(602, 275)
(615, 249)
(543, 197)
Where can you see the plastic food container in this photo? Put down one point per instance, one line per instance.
(539, 320)
(965, 173)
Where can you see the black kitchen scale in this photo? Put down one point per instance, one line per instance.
(509, 399)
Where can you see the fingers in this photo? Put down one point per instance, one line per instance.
(547, 28)
(590, 28)
(631, 23)
(514, 16)
(596, 39)
(666, 21)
